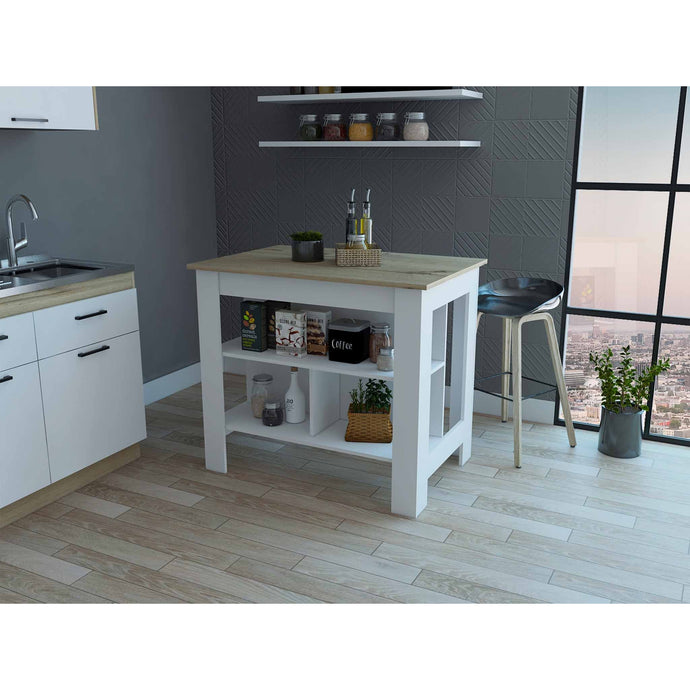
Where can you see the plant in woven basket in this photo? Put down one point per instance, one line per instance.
(369, 414)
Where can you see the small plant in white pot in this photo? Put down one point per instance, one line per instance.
(624, 392)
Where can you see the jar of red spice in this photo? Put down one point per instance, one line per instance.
(334, 127)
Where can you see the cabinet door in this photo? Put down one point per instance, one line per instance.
(23, 454)
(17, 341)
(48, 107)
(93, 401)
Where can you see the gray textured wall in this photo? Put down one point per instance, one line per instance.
(507, 200)
(140, 191)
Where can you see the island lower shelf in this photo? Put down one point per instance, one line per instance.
(332, 438)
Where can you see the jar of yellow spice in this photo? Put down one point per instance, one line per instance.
(360, 128)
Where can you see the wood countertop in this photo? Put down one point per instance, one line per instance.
(412, 271)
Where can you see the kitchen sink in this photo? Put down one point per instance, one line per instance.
(42, 272)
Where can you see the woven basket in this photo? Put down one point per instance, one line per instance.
(346, 256)
(367, 427)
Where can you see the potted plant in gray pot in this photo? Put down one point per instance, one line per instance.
(307, 246)
(624, 392)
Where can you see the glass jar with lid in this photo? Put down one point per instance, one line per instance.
(261, 391)
(273, 413)
(334, 127)
(387, 127)
(416, 127)
(385, 360)
(380, 337)
(360, 128)
(309, 128)
(356, 242)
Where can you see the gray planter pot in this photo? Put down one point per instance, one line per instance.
(620, 433)
(307, 251)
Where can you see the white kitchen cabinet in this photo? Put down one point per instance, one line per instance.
(48, 107)
(93, 403)
(23, 453)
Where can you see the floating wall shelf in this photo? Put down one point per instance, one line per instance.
(370, 144)
(422, 95)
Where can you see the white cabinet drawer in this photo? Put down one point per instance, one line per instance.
(76, 324)
(17, 341)
(93, 403)
(23, 453)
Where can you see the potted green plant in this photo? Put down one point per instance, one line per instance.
(307, 246)
(624, 392)
(369, 414)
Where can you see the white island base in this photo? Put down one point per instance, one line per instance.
(414, 291)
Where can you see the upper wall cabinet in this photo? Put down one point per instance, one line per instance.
(48, 107)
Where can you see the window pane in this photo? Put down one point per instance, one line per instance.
(684, 166)
(586, 334)
(677, 299)
(671, 409)
(618, 241)
(628, 134)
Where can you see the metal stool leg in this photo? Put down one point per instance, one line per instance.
(560, 379)
(516, 347)
(505, 366)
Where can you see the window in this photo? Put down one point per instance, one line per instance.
(628, 277)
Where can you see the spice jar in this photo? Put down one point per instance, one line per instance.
(416, 127)
(384, 362)
(387, 127)
(309, 128)
(380, 337)
(272, 414)
(260, 393)
(334, 127)
(356, 242)
(360, 128)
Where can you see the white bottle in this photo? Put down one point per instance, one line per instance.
(295, 402)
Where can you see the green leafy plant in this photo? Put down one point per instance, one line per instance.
(623, 388)
(308, 236)
(373, 398)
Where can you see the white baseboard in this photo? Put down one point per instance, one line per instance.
(171, 383)
(533, 410)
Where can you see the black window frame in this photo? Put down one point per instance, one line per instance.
(658, 319)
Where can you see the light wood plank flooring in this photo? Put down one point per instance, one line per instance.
(290, 524)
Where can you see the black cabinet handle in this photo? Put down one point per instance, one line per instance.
(4, 337)
(5, 379)
(29, 119)
(93, 352)
(100, 312)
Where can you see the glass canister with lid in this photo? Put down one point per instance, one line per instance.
(385, 360)
(309, 128)
(334, 127)
(360, 128)
(273, 414)
(261, 385)
(387, 127)
(416, 127)
(380, 337)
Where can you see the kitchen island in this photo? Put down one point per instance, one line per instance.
(414, 292)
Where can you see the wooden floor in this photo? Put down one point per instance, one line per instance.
(293, 524)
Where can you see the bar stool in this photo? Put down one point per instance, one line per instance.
(517, 301)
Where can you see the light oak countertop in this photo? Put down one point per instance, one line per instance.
(412, 271)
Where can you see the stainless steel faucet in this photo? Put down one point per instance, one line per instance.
(12, 246)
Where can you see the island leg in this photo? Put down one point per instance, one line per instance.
(211, 356)
(462, 364)
(411, 401)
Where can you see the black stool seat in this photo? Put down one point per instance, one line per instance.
(518, 296)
